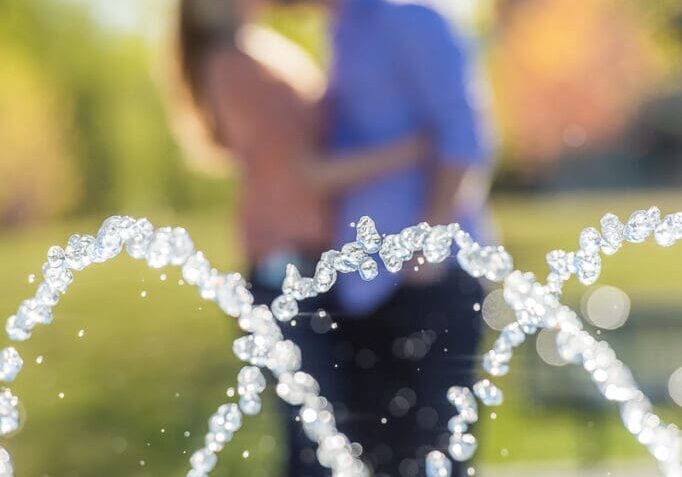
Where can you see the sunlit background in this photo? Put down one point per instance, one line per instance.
(585, 105)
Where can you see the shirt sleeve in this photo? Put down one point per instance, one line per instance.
(432, 63)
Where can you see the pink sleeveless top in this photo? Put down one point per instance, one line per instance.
(269, 128)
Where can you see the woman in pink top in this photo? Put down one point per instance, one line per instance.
(270, 128)
(272, 131)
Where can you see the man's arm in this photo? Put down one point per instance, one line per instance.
(333, 173)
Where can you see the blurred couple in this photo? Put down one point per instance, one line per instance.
(392, 134)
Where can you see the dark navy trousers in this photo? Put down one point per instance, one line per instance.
(387, 373)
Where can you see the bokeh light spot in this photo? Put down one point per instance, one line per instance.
(495, 311)
(607, 307)
(547, 348)
(675, 386)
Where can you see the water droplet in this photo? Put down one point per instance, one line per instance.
(488, 393)
(10, 364)
(462, 447)
(143, 293)
(32, 278)
(438, 465)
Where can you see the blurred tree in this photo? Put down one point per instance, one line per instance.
(570, 75)
(37, 177)
(89, 89)
(663, 19)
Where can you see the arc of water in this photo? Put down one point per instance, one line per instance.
(264, 347)
(537, 306)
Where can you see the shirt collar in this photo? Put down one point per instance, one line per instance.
(349, 6)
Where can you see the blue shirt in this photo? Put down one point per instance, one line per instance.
(398, 69)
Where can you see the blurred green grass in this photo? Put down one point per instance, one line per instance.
(146, 371)
(532, 226)
(149, 369)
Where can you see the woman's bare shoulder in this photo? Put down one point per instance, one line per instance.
(230, 67)
(285, 60)
(254, 108)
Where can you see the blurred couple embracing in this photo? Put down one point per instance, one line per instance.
(392, 134)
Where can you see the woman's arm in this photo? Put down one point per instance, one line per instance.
(333, 173)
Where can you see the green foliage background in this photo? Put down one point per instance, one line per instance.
(84, 133)
(108, 122)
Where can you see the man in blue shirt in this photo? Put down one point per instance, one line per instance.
(399, 71)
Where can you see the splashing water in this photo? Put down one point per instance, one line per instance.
(536, 306)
